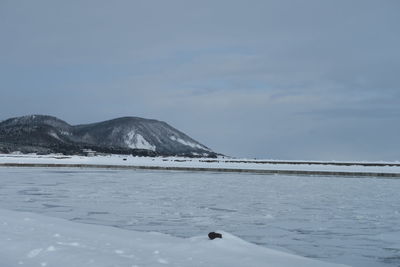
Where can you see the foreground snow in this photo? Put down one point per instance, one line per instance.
(389, 168)
(33, 240)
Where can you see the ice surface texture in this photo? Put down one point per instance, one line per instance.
(354, 221)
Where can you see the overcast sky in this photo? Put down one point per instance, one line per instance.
(268, 79)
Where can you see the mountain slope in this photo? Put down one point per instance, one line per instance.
(133, 135)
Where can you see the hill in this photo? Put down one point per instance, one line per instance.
(128, 135)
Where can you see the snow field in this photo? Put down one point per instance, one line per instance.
(240, 164)
(29, 239)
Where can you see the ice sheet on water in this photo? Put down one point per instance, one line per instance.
(330, 218)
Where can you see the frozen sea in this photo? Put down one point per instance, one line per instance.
(354, 221)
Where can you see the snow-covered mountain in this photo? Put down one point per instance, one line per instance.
(46, 134)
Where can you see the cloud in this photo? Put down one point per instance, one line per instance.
(286, 79)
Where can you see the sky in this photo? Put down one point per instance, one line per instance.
(299, 79)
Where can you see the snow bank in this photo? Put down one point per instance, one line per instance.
(34, 240)
(391, 169)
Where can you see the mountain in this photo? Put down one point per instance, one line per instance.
(128, 135)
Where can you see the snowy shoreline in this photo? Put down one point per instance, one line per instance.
(368, 169)
(35, 240)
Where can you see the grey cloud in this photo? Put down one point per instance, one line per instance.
(278, 79)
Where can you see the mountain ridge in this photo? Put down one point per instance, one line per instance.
(125, 135)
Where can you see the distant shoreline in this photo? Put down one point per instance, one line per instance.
(227, 170)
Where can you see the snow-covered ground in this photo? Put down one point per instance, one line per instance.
(353, 221)
(33, 240)
(391, 168)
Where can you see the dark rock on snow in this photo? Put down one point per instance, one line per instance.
(214, 235)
